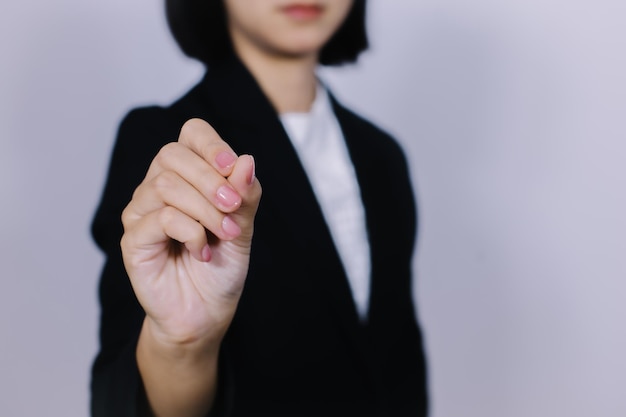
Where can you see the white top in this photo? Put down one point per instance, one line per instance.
(320, 145)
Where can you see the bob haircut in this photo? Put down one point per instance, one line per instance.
(200, 29)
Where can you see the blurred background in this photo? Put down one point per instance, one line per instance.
(513, 116)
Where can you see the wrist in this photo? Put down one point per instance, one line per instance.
(179, 379)
(194, 348)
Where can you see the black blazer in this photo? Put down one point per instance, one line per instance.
(296, 346)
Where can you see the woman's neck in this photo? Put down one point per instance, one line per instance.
(288, 82)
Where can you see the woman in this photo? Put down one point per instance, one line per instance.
(310, 313)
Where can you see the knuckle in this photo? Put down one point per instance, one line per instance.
(207, 150)
(166, 153)
(136, 193)
(192, 127)
(124, 242)
(163, 182)
(167, 216)
(125, 217)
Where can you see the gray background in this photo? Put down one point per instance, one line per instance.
(512, 114)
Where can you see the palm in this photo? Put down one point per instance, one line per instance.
(187, 292)
(187, 297)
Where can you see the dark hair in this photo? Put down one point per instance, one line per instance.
(200, 29)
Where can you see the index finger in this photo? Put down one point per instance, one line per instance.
(202, 139)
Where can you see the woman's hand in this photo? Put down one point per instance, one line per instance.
(186, 248)
(187, 237)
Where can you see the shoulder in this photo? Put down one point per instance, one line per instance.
(357, 121)
(144, 125)
(165, 120)
(382, 169)
(364, 136)
(144, 130)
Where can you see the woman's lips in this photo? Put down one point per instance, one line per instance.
(303, 11)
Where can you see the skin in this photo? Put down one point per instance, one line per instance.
(189, 226)
(282, 51)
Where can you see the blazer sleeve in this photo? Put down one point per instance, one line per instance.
(115, 384)
(116, 387)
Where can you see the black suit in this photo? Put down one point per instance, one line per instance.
(296, 346)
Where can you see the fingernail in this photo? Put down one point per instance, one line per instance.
(230, 227)
(225, 159)
(228, 197)
(206, 253)
(251, 174)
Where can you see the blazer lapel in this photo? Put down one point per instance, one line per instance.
(257, 130)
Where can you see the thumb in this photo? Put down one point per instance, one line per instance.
(244, 181)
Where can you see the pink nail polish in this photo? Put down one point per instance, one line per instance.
(230, 227)
(206, 253)
(225, 159)
(228, 197)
